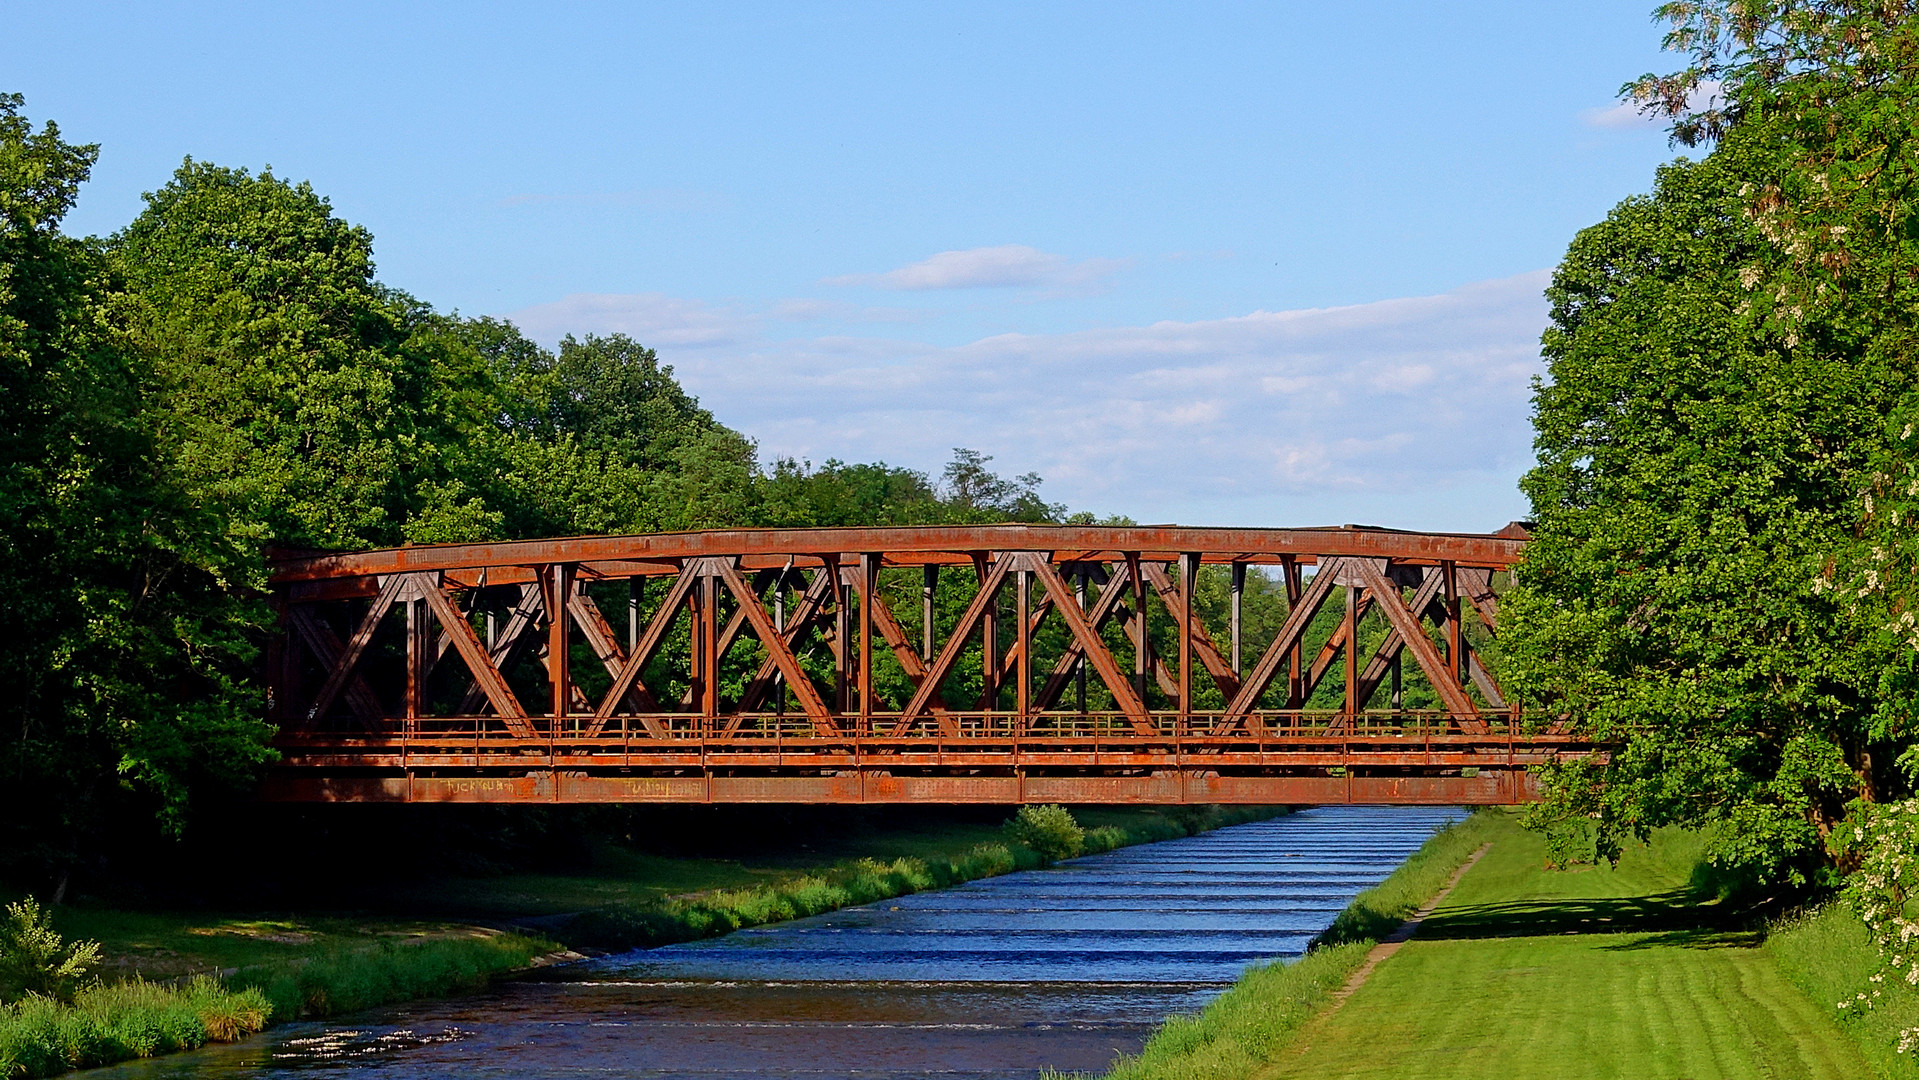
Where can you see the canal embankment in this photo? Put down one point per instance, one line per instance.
(1639, 969)
(178, 979)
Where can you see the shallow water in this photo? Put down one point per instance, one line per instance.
(1063, 968)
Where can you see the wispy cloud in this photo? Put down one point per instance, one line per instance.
(1628, 114)
(656, 319)
(1411, 411)
(1005, 266)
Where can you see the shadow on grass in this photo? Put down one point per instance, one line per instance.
(1673, 919)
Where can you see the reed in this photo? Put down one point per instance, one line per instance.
(348, 980)
(40, 1036)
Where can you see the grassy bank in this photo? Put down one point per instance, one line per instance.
(1828, 954)
(227, 975)
(1247, 1027)
(105, 1024)
(1624, 971)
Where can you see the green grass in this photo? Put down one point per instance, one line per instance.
(337, 981)
(105, 1024)
(1828, 954)
(1254, 1022)
(1598, 972)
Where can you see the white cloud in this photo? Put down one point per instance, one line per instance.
(656, 319)
(1410, 411)
(1005, 266)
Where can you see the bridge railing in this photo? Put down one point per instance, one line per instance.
(674, 731)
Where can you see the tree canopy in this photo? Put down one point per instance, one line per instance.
(1727, 361)
(227, 375)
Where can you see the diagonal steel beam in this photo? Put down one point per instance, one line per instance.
(805, 614)
(1216, 663)
(942, 665)
(1089, 641)
(1388, 600)
(505, 705)
(1111, 599)
(776, 648)
(1290, 633)
(324, 644)
(336, 679)
(650, 640)
(512, 643)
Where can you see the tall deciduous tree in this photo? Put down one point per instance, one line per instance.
(1724, 361)
(126, 650)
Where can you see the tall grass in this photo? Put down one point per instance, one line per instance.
(347, 980)
(1250, 1024)
(1828, 953)
(40, 1036)
(622, 926)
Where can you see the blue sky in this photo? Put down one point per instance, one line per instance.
(1217, 264)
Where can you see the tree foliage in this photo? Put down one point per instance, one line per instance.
(1724, 361)
(226, 375)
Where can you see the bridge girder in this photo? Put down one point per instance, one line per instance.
(830, 700)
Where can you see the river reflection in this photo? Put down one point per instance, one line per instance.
(1063, 968)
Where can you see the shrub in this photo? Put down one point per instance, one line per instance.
(35, 960)
(1049, 831)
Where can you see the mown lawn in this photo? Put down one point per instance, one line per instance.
(1595, 973)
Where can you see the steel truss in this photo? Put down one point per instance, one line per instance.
(491, 673)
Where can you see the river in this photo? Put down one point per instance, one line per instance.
(1000, 978)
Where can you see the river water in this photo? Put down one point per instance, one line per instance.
(1062, 968)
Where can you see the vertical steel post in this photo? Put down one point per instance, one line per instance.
(1188, 584)
(1138, 581)
(1079, 667)
(779, 623)
(559, 583)
(869, 581)
(1399, 701)
(415, 655)
(1023, 695)
(1455, 630)
(929, 584)
(1239, 593)
(989, 642)
(842, 639)
(1295, 686)
(1352, 654)
(710, 648)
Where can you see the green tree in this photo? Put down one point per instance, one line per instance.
(128, 644)
(1724, 359)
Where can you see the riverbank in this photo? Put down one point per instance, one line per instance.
(1627, 971)
(312, 964)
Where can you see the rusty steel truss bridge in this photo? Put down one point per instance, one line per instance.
(784, 666)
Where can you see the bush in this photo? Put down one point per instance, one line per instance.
(1049, 831)
(34, 959)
